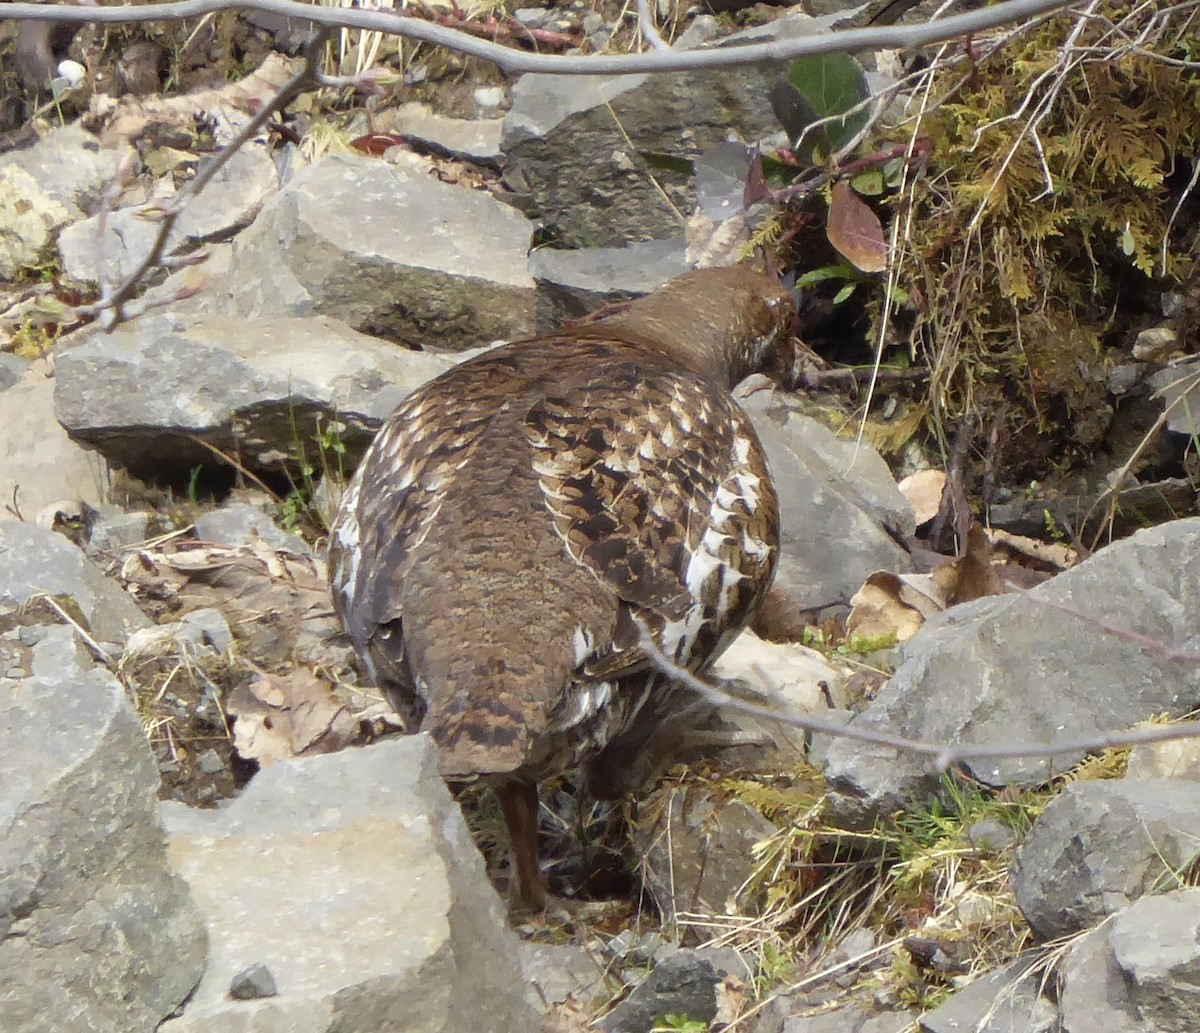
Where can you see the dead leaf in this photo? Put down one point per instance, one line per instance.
(854, 229)
(877, 610)
(1055, 555)
(288, 715)
(924, 491)
(972, 575)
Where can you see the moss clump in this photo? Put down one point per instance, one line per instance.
(1043, 218)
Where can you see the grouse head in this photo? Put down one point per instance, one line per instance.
(721, 323)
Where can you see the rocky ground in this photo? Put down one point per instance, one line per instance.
(172, 662)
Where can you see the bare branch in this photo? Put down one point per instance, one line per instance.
(111, 306)
(943, 755)
(511, 61)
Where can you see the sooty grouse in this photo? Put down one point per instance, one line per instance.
(523, 516)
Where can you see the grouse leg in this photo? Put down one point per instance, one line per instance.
(519, 802)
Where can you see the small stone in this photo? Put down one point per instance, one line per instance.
(489, 98)
(211, 624)
(532, 17)
(253, 983)
(1124, 378)
(1155, 344)
(31, 634)
(210, 762)
(593, 22)
(991, 834)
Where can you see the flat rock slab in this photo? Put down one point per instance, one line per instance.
(389, 251)
(353, 879)
(1010, 669)
(97, 932)
(252, 388)
(572, 284)
(477, 139)
(37, 561)
(1008, 1000)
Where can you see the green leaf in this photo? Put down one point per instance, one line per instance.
(844, 293)
(841, 271)
(869, 184)
(818, 87)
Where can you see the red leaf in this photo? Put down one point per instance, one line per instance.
(375, 144)
(854, 229)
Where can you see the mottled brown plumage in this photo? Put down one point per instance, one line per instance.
(522, 516)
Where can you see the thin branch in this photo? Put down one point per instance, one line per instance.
(943, 755)
(649, 29)
(849, 41)
(111, 304)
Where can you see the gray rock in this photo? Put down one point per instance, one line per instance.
(683, 984)
(110, 529)
(97, 933)
(228, 204)
(476, 140)
(36, 561)
(253, 983)
(1008, 1000)
(39, 463)
(240, 523)
(250, 388)
(210, 762)
(58, 653)
(390, 252)
(1127, 377)
(992, 834)
(1098, 846)
(1138, 973)
(840, 512)
(1092, 994)
(1179, 391)
(353, 878)
(1179, 758)
(1155, 344)
(574, 283)
(578, 146)
(1006, 670)
(12, 369)
(58, 180)
(561, 971)
(212, 627)
(1156, 945)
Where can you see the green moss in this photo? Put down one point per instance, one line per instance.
(1044, 207)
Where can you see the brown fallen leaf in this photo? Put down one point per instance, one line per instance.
(972, 575)
(924, 490)
(878, 610)
(855, 231)
(289, 715)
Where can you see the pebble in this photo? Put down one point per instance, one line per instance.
(210, 762)
(489, 98)
(253, 983)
